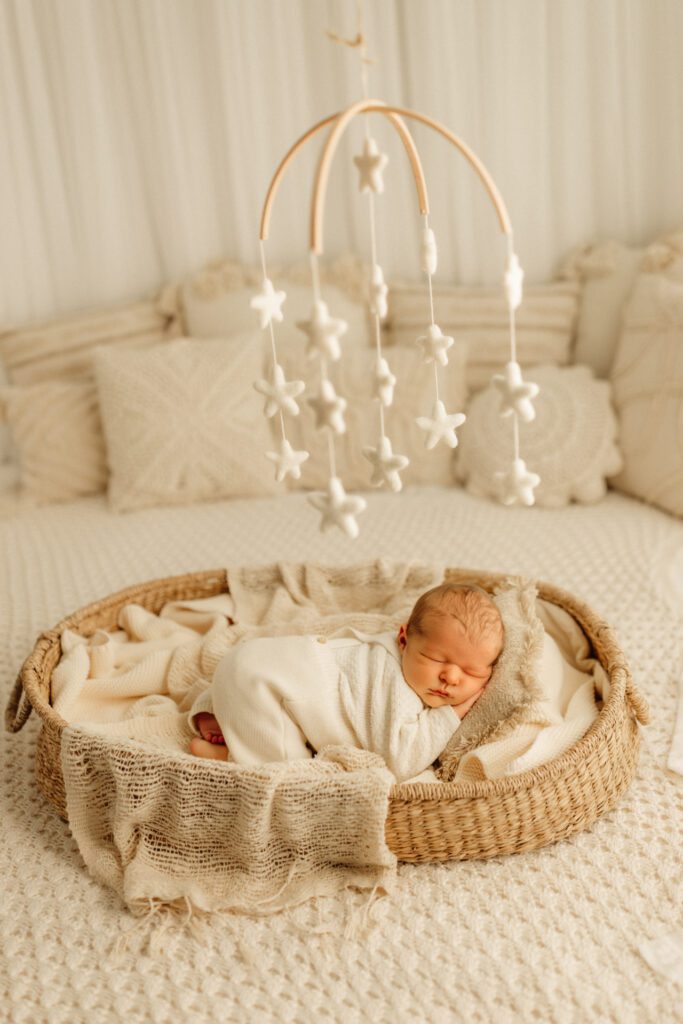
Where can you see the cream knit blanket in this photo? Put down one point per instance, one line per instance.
(163, 827)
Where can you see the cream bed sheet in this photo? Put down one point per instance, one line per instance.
(552, 935)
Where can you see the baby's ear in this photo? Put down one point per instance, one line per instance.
(402, 638)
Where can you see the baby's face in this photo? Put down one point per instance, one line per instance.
(442, 666)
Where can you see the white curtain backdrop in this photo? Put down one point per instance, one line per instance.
(138, 137)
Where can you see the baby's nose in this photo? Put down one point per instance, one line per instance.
(451, 674)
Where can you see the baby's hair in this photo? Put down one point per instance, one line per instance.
(470, 604)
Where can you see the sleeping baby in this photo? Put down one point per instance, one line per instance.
(400, 696)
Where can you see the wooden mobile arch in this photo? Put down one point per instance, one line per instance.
(337, 507)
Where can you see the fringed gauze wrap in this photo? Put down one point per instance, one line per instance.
(253, 840)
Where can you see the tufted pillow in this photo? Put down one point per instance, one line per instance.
(647, 378)
(570, 443)
(181, 422)
(413, 397)
(58, 440)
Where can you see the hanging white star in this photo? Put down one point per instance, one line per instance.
(428, 252)
(338, 508)
(517, 484)
(267, 303)
(435, 345)
(441, 426)
(329, 408)
(280, 394)
(516, 394)
(512, 280)
(287, 461)
(378, 293)
(323, 332)
(370, 165)
(384, 382)
(385, 465)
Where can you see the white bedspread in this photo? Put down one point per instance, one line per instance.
(552, 935)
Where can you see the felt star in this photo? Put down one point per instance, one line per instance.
(513, 278)
(441, 426)
(378, 293)
(385, 465)
(384, 382)
(435, 344)
(338, 508)
(517, 484)
(516, 395)
(370, 164)
(428, 254)
(329, 408)
(287, 461)
(267, 303)
(280, 394)
(323, 332)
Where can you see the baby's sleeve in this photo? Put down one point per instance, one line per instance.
(203, 702)
(391, 720)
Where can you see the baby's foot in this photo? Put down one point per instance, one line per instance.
(209, 728)
(204, 748)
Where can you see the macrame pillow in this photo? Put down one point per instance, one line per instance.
(414, 396)
(514, 684)
(571, 443)
(647, 378)
(181, 422)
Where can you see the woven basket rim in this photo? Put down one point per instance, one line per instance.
(622, 699)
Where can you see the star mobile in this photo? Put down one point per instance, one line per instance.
(324, 332)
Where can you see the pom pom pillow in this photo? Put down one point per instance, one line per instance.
(571, 443)
(182, 424)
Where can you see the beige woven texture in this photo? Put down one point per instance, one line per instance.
(550, 935)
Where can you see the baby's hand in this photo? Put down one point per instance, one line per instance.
(462, 709)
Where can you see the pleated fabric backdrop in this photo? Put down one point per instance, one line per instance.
(139, 136)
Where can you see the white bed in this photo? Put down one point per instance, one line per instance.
(552, 935)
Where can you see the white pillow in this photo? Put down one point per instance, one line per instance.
(216, 300)
(413, 397)
(58, 439)
(647, 378)
(182, 422)
(608, 271)
(570, 443)
(479, 319)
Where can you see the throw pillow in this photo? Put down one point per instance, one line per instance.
(570, 443)
(413, 397)
(58, 439)
(181, 422)
(479, 318)
(607, 272)
(647, 378)
(215, 301)
(62, 348)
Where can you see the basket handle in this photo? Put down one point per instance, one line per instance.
(639, 706)
(18, 708)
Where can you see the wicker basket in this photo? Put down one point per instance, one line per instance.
(425, 822)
